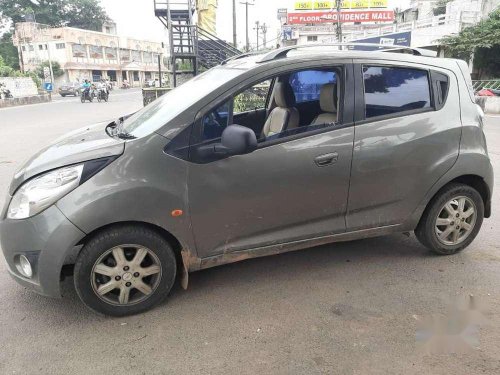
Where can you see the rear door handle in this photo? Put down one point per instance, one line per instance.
(326, 159)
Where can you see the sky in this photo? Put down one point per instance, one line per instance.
(135, 18)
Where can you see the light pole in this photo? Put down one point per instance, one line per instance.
(234, 25)
(246, 3)
(264, 32)
(257, 28)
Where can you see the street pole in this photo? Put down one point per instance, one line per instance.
(264, 32)
(257, 29)
(159, 68)
(234, 25)
(339, 25)
(246, 3)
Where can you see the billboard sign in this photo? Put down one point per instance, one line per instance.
(344, 4)
(298, 18)
(396, 39)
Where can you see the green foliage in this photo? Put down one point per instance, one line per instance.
(85, 14)
(482, 39)
(484, 34)
(8, 51)
(56, 69)
(7, 71)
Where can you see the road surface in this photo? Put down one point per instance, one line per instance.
(348, 308)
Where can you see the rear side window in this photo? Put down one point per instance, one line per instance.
(306, 84)
(391, 90)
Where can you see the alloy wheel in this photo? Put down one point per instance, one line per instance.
(126, 275)
(455, 221)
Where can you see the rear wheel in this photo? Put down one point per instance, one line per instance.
(125, 270)
(452, 219)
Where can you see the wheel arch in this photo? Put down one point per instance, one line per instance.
(177, 246)
(472, 180)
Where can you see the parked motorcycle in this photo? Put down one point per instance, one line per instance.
(5, 92)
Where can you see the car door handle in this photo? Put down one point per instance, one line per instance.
(326, 159)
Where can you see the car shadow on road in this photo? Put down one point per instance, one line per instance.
(322, 261)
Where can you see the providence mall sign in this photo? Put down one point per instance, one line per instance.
(345, 16)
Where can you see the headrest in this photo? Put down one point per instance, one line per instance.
(283, 95)
(327, 98)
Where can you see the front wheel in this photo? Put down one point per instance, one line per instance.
(452, 219)
(82, 98)
(125, 270)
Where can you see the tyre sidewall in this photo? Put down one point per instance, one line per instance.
(109, 239)
(430, 237)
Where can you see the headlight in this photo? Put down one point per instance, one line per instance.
(37, 194)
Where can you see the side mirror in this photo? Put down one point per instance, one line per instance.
(236, 140)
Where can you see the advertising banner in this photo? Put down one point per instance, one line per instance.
(298, 18)
(110, 53)
(344, 4)
(79, 50)
(96, 52)
(396, 39)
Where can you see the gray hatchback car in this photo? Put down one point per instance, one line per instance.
(260, 155)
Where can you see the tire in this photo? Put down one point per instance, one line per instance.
(63, 95)
(159, 261)
(445, 206)
(82, 99)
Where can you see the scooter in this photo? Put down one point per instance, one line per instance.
(5, 92)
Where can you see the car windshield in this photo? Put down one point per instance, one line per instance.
(161, 111)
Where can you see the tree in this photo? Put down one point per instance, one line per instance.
(56, 69)
(482, 40)
(8, 51)
(85, 14)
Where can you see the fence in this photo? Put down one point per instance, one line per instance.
(486, 84)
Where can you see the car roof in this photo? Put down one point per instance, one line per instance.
(322, 53)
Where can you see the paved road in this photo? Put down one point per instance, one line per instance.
(349, 308)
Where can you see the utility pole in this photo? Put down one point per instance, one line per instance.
(234, 25)
(339, 25)
(257, 29)
(246, 3)
(264, 32)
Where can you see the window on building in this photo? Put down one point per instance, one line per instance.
(312, 38)
(60, 46)
(41, 47)
(390, 90)
(23, 48)
(306, 84)
(30, 48)
(136, 76)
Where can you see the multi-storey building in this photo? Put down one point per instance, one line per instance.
(85, 54)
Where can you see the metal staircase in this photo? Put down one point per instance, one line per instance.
(189, 42)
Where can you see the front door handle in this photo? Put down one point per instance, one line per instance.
(326, 159)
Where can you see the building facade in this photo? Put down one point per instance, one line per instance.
(85, 54)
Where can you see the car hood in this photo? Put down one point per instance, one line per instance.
(81, 145)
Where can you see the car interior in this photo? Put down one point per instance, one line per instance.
(282, 106)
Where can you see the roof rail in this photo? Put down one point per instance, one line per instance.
(241, 55)
(282, 52)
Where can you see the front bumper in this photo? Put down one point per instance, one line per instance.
(47, 238)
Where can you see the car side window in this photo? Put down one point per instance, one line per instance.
(390, 90)
(252, 98)
(307, 84)
(318, 89)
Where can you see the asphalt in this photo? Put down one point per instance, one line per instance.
(348, 308)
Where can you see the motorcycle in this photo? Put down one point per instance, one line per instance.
(102, 94)
(5, 92)
(87, 94)
(125, 85)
